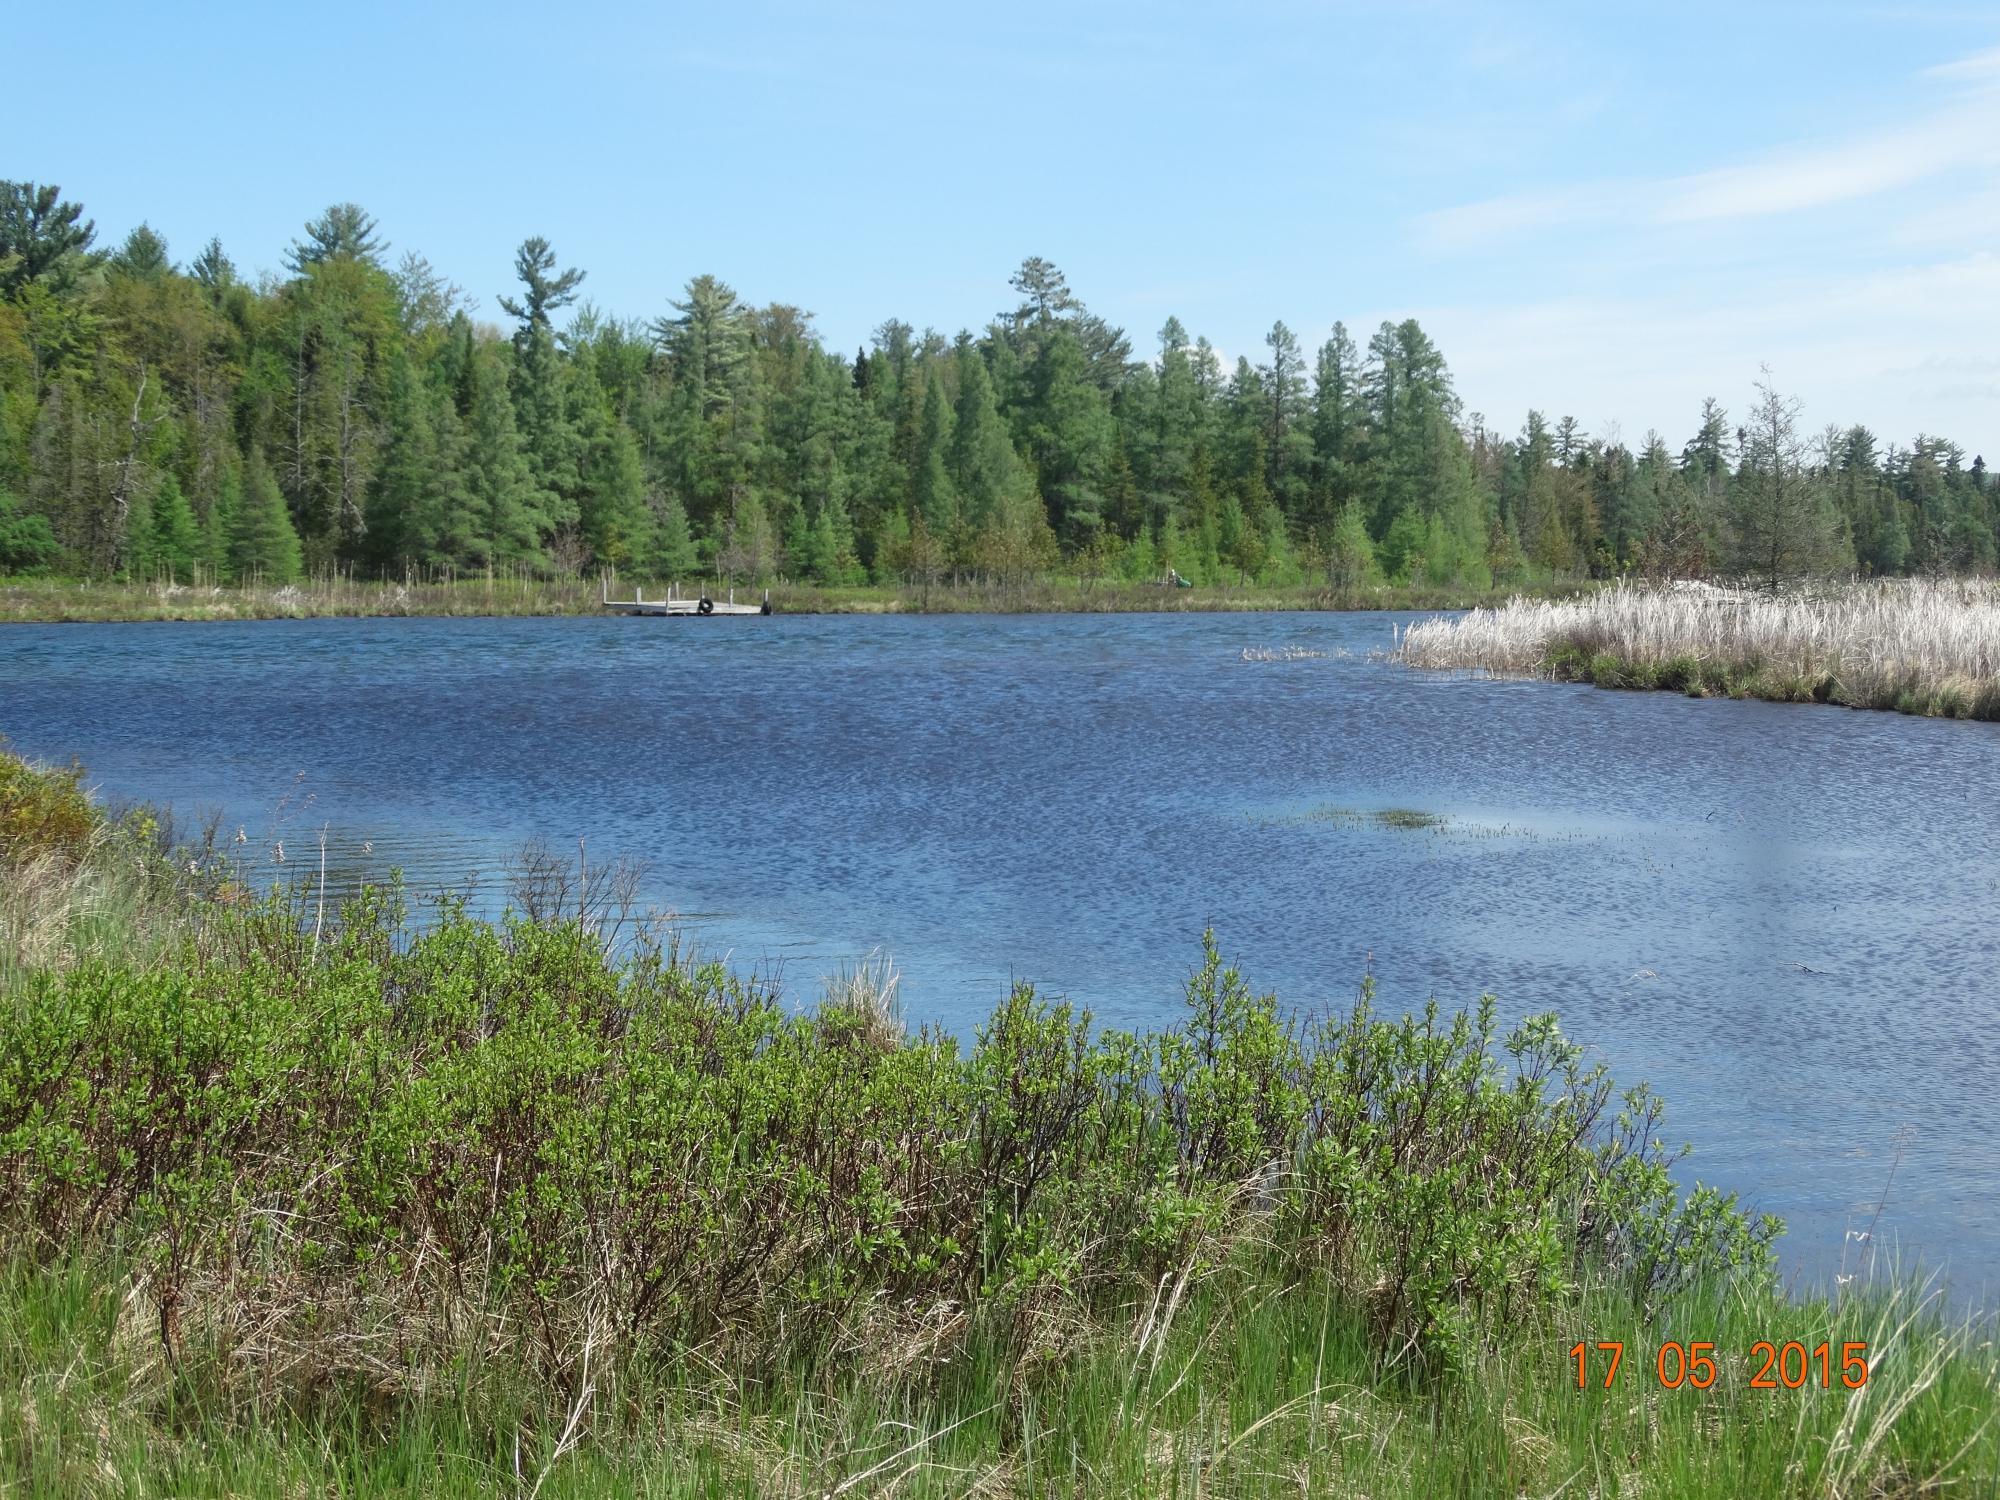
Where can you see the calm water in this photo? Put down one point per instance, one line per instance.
(1783, 917)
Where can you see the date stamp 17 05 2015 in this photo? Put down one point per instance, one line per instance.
(1788, 1366)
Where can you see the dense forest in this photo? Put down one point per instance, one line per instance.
(160, 420)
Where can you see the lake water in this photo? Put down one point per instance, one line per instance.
(1785, 918)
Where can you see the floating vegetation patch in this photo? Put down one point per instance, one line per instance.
(1455, 828)
(1406, 818)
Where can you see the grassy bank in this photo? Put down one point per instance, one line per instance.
(1908, 645)
(548, 1207)
(50, 601)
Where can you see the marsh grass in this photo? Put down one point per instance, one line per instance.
(1248, 1391)
(520, 593)
(330, 595)
(79, 884)
(1913, 646)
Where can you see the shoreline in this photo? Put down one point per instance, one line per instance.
(43, 602)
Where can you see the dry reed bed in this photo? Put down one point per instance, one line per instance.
(1915, 646)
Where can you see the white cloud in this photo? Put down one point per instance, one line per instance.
(1814, 177)
(1981, 65)
(1633, 298)
(1903, 349)
(1964, 134)
(1471, 226)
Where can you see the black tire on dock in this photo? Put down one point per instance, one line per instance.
(706, 607)
(766, 609)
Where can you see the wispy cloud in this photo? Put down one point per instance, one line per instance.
(1964, 133)
(1981, 65)
(1906, 352)
(1815, 177)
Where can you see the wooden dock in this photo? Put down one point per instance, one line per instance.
(674, 604)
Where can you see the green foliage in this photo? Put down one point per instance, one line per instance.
(507, 1113)
(1350, 554)
(44, 812)
(405, 438)
(673, 553)
(263, 545)
(42, 237)
(27, 544)
(176, 544)
(344, 232)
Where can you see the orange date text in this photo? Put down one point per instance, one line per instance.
(1787, 1366)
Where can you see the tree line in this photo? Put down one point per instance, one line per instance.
(170, 421)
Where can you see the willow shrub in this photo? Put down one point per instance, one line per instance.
(44, 812)
(395, 1150)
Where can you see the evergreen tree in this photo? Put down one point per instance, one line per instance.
(1783, 526)
(176, 541)
(708, 344)
(934, 494)
(503, 497)
(403, 523)
(1286, 441)
(1337, 433)
(42, 237)
(985, 470)
(143, 255)
(343, 232)
(673, 555)
(1068, 435)
(219, 526)
(615, 517)
(263, 543)
(214, 270)
(549, 433)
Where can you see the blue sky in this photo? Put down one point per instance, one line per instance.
(1604, 210)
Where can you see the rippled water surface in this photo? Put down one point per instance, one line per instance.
(1784, 917)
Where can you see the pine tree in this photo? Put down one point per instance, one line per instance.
(1783, 524)
(143, 256)
(508, 524)
(343, 232)
(220, 524)
(934, 495)
(1337, 428)
(1286, 450)
(549, 436)
(401, 523)
(673, 550)
(985, 469)
(615, 518)
(263, 543)
(176, 542)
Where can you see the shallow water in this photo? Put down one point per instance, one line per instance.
(1783, 917)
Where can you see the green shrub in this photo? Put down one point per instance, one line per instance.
(43, 811)
(500, 1126)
